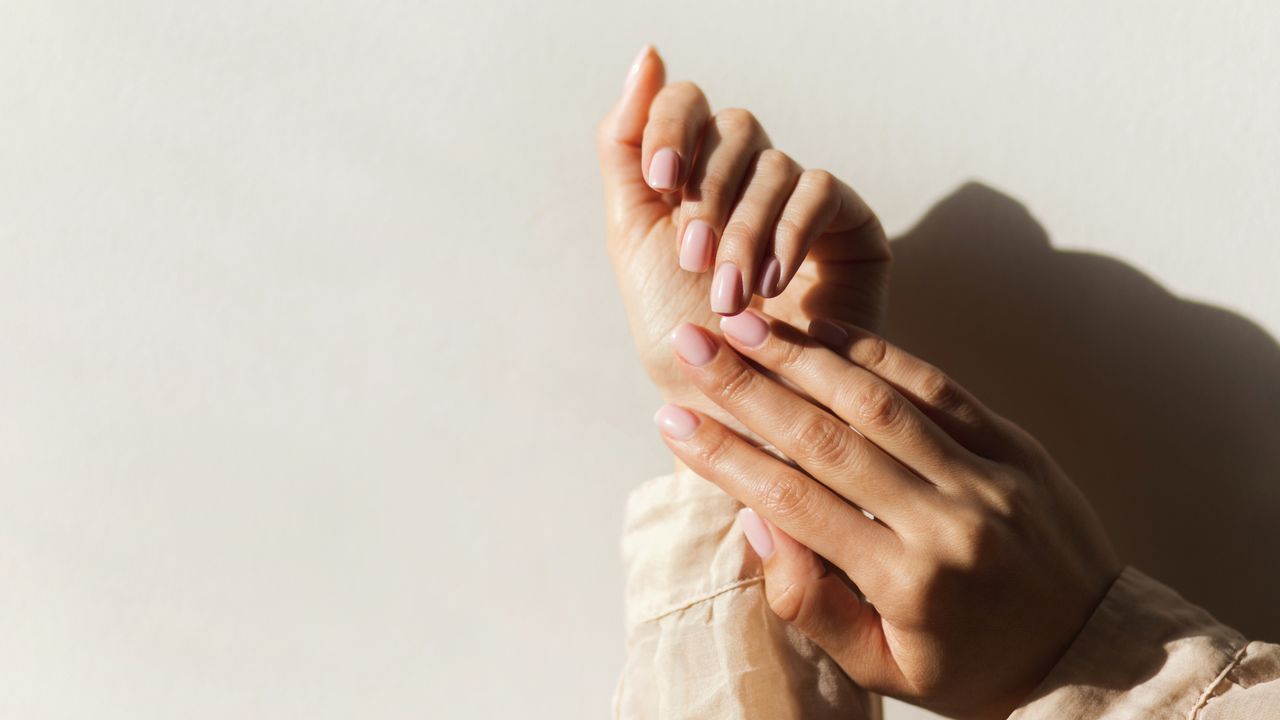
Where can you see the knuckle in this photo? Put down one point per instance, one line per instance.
(877, 405)
(788, 230)
(789, 355)
(938, 390)
(736, 384)
(739, 231)
(1004, 494)
(973, 537)
(686, 88)
(785, 495)
(711, 190)
(822, 439)
(819, 182)
(665, 130)
(787, 602)
(716, 450)
(869, 352)
(736, 121)
(773, 162)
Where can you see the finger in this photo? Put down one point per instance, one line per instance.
(825, 446)
(872, 406)
(676, 119)
(802, 592)
(824, 218)
(618, 140)
(741, 265)
(951, 407)
(730, 142)
(791, 500)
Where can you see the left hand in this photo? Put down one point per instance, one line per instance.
(750, 200)
(982, 562)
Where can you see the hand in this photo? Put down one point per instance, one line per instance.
(721, 187)
(982, 562)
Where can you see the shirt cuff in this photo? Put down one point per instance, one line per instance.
(1145, 652)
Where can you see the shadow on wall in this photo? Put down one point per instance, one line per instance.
(1165, 412)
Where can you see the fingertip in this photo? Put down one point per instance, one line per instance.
(758, 532)
(644, 79)
(664, 170)
(770, 277)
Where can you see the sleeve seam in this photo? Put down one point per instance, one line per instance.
(1213, 686)
(703, 597)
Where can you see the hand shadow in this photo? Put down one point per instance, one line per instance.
(1164, 411)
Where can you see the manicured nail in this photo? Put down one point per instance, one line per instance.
(726, 290)
(828, 333)
(770, 274)
(746, 327)
(758, 536)
(675, 422)
(664, 168)
(695, 250)
(635, 64)
(692, 344)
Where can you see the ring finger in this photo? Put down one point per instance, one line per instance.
(731, 141)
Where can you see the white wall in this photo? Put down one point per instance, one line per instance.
(316, 399)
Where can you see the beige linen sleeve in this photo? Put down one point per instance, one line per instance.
(1148, 653)
(701, 639)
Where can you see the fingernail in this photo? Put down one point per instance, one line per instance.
(770, 274)
(695, 251)
(726, 290)
(675, 422)
(758, 536)
(635, 64)
(664, 168)
(692, 344)
(828, 333)
(747, 328)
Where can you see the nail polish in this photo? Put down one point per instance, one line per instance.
(758, 535)
(726, 290)
(675, 422)
(746, 327)
(692, 344)
(664, 169)
(770, 274)
(828, 333)
(695, 250)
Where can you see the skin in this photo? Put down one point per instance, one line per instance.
(983, 561)
(757, 202)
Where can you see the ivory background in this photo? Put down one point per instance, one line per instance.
(316, 398)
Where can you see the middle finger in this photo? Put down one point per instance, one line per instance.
(830, 450)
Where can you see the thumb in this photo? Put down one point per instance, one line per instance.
(619, 137)
(803, 592)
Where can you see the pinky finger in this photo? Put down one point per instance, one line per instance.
(797, 502)
(802, 592)
(826, 218)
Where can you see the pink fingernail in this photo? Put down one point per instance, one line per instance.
(770, 274)
(746, 327)
(726, 290)
(695, 251)
(758, 536)
(675, 422)
(664, 168)
(828, 333)
(692, 344)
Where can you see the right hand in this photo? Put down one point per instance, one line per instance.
(742, 207)
(982, 562)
